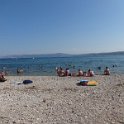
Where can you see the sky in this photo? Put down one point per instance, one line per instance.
(61, 26)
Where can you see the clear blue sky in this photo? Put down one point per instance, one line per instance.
(61, 26)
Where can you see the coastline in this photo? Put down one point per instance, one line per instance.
(53, 99)
(47, 66)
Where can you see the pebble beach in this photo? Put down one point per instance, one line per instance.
(59, 100)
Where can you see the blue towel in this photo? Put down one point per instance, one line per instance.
(27, 82)
(83, 81)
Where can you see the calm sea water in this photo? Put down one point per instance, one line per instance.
(46, 66)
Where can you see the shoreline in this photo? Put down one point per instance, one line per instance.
(53, 99)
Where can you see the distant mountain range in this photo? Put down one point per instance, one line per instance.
(62, 55)
(38, 55)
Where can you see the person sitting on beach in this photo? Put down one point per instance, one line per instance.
(2, 78)
(106, 71)
(67, 72)
(80, 72)
(90, 73)
(60, 71)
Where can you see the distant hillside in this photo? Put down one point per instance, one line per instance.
(63, 55)
(39, 55)
(107, 53)
(115, 53)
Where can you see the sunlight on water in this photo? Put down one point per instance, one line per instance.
(46, 66)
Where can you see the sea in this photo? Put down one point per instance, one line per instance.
(46, 66)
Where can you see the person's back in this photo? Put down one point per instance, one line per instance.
(67, 72)
(90, 73)
(58, 71)
(2, 78)
(62, 73)
(80, 73)
(107, 71)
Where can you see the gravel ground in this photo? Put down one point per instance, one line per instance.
(59, 100)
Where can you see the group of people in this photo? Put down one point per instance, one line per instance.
(61, 72)
(66, 72)
(89, 73)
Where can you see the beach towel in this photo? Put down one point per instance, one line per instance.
(27, 82)
(92, 83)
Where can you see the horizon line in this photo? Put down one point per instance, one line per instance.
(17, 55)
